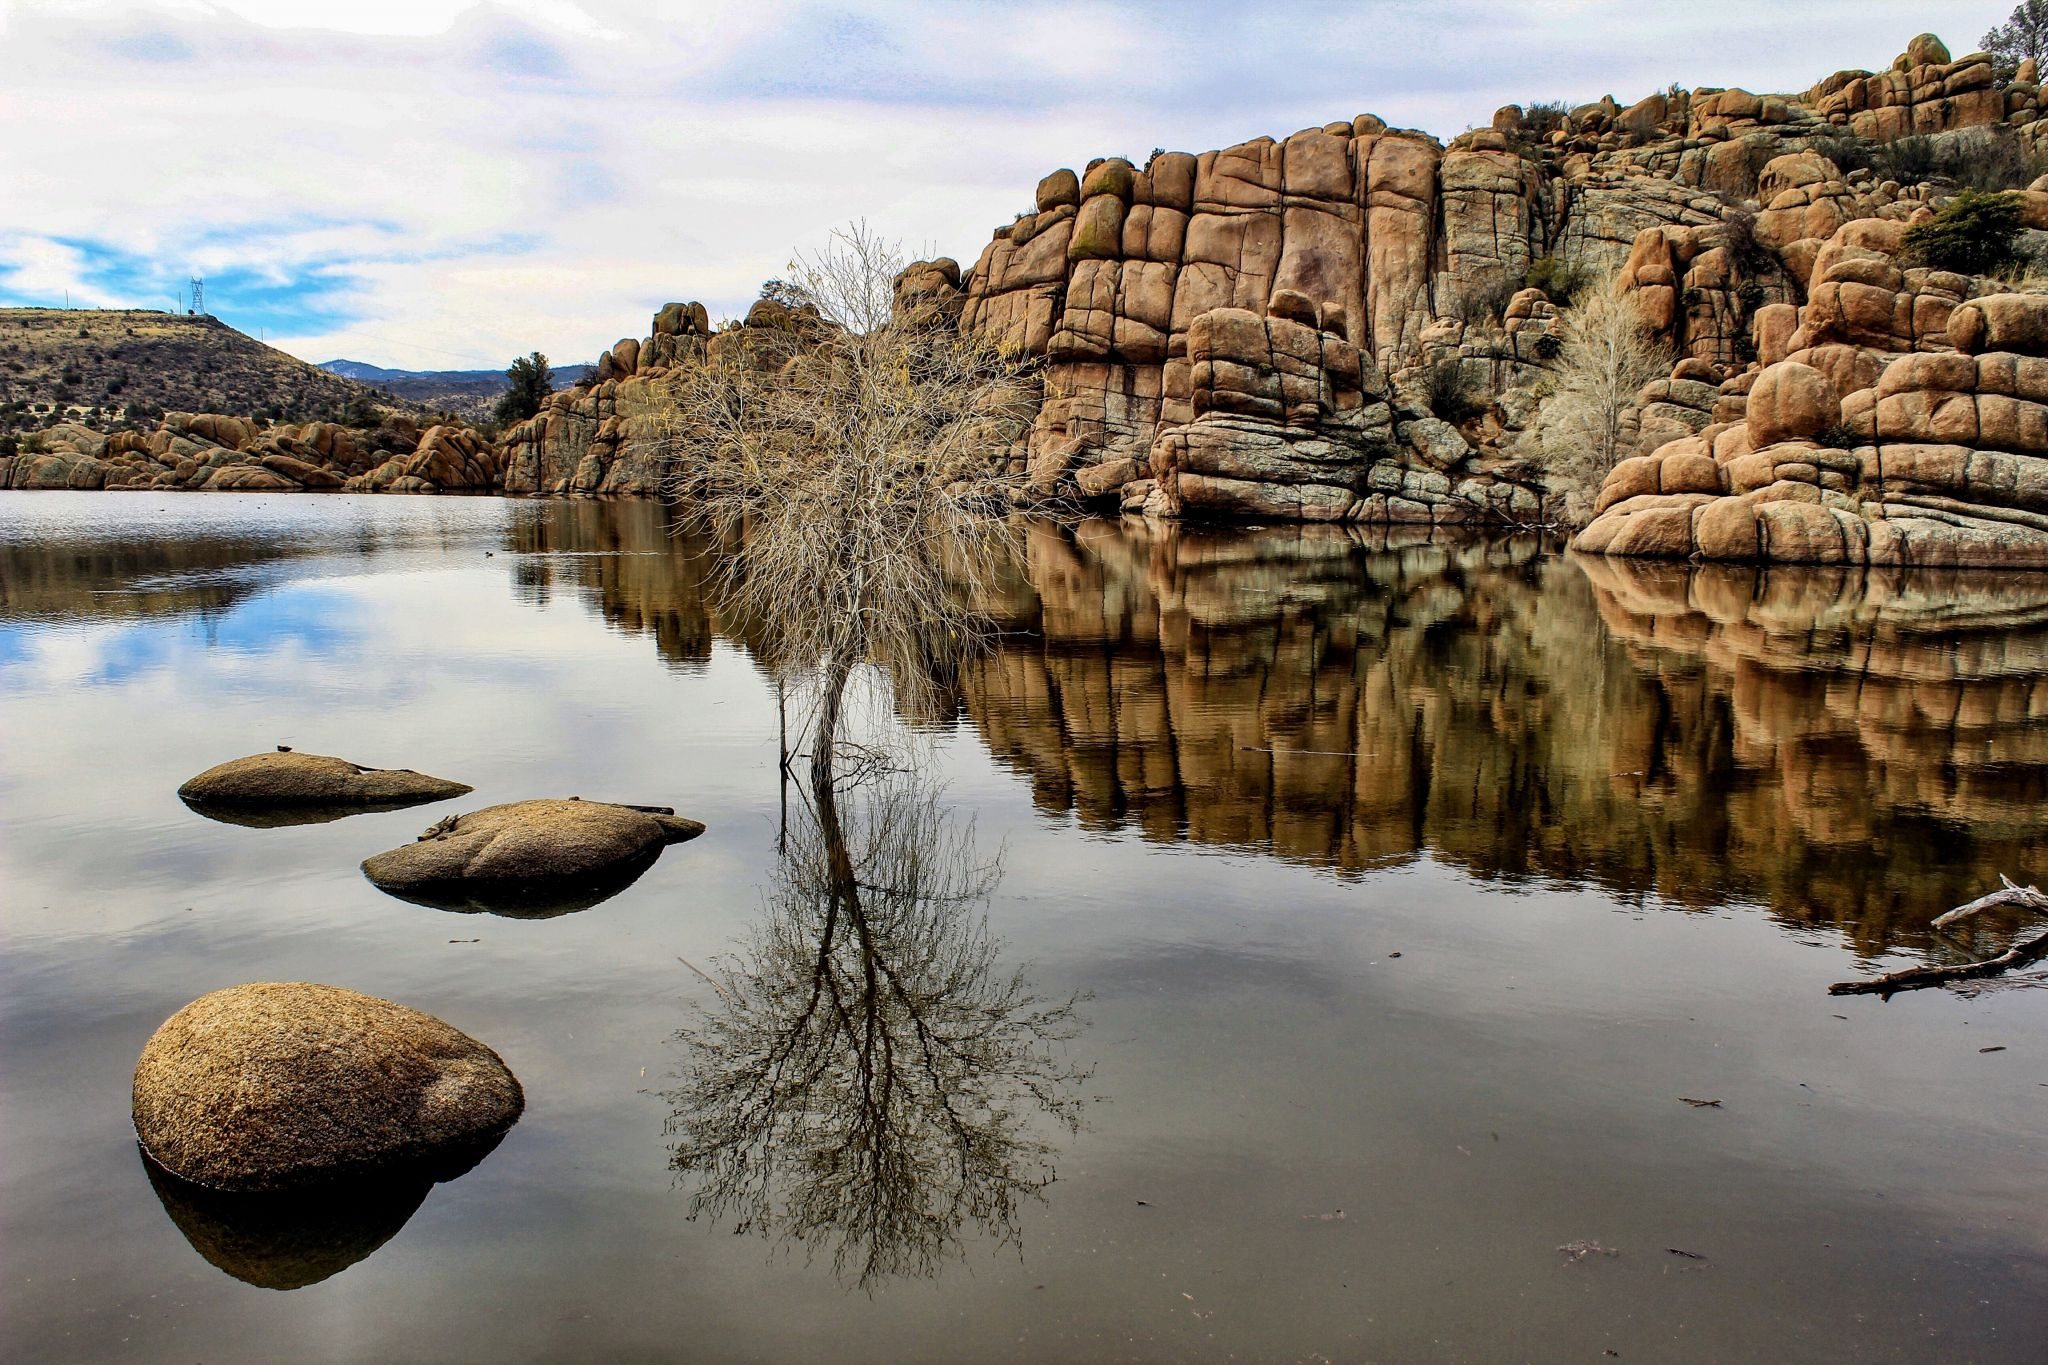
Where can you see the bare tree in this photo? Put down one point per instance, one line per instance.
(843, 475)
(870, 1080)
(1609, 354)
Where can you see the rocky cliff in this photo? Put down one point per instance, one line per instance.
(1248, 332)
(1852, 403)
(1358, 323)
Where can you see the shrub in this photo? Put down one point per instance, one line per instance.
(1451, 394)
(1840, 436)
(1488, 303)
(1745, 250)
(1848, 153)
(1972, 234)
(1990, 164)
(1909, 160)
(1543, 117)
(1609, 354)
(1559, 280)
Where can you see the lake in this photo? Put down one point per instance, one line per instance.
(1403, 892)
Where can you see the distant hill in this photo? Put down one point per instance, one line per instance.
(112, 367)
(467, 393)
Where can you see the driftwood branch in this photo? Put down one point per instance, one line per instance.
(2018, 897)
(2010, 894)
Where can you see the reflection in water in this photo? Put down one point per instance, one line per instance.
(1848, 747)
(624, 560)
(546, 898)
(287, 816)
(97, 577)
(293, 1238)
(1865, 750)
(871, 1081)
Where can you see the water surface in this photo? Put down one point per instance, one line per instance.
(1621, 825)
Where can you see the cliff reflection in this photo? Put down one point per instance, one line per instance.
(870, 1080)
(1853, 748)
(1861, 749)
(624, 561)
(138, 579)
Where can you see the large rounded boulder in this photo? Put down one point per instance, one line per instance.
(288, 781)
(544, 850)
(1791, 401)
(276, 1086)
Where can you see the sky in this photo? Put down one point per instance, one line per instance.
(444, 184)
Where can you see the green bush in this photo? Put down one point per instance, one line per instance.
(1559, 280)
(1909, 160)
(1972, 234)
(1451, 395)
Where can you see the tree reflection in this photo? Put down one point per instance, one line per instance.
(870, 1080)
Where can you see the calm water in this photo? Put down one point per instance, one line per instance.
(1621, 825)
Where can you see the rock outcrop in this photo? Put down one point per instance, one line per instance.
(605, 436)
(287, 781)
(1851, 452)
(532, 857)
(277, 1086)
(1373, 255)
(213, 453)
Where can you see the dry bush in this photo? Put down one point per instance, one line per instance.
(1609, 353)
(847, 477)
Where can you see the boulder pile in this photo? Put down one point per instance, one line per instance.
(1846, 453)
(209, 452)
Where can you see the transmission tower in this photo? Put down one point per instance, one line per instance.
(198, 298)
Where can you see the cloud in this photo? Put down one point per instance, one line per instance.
(436, 182)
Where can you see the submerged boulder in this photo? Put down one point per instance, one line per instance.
(290, 781)
(543, 849)
(275, 1086)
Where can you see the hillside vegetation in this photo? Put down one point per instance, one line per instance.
(124, 368)
(469, 394)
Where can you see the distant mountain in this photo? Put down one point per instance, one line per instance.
(108, 366)
(466, 393)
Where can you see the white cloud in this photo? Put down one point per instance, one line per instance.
(469, 181)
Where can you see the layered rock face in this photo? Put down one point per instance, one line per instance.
(1847, 454)
(1218, 328)
(213, 453)
(1369, 253)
